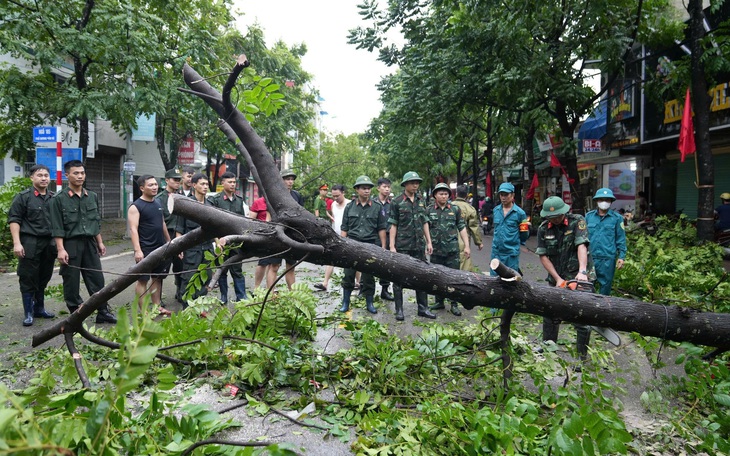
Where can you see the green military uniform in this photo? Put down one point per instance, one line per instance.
(76, 219)
(321, 205)
(31, 211)
(409, 217)
(193, 257)
(560, 244)
(473, 227)
(445, 225)
(171, 222)
(362, 222)
(236, 205)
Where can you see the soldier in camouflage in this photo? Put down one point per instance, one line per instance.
(562, 244)
(473, 227)
(447, 226)
(410, 235)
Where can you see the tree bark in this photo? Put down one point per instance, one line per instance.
(701, 104)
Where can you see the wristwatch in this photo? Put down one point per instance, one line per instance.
(583, 272)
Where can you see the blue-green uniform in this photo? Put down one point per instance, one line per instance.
(236, 205)
(193, 256)
(608, 243)
(507, 236)
(363, 223)
(31, 211)
(76, 219)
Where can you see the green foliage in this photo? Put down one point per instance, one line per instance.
(671, 268)
(7, 193)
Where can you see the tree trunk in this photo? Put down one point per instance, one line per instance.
(701, 104)
(299, 233)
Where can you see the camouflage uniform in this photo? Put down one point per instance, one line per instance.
(473, 227)
(445, 225)
(560, 244)
(409, 217)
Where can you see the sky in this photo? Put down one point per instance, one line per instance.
(345, 76)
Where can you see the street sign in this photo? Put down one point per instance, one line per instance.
(47, 156)
(45, 134)
(130, 166)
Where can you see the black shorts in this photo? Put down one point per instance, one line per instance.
(268, 261)
(161, 270)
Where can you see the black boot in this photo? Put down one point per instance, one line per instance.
(398, 298)
(345, 300)
(104, 316)
(370, 306)
(385, 294)
(39, 307)
(582, 339)
(455, 309)
(28, 308)
(550, 329)
(422, 301)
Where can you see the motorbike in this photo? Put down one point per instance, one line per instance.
(485, 225)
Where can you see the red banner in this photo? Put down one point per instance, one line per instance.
(686, 144)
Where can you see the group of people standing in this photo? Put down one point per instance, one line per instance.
(66, 226)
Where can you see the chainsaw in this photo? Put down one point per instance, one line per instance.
(588, 287)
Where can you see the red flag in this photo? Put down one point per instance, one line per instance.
(686, 144)
(488, 186)
(554, 162)
(533, 187)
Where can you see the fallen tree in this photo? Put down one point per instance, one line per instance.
(294, 232)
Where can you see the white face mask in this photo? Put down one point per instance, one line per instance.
(604, 205)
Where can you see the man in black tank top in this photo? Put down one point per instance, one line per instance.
(148, 231)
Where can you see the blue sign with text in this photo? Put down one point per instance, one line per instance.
(45, 134)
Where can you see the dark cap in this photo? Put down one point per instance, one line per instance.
(173, 174)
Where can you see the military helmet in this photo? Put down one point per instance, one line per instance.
(554, 206)
(604, 193)
(173, 174)
(410, 176)
(363, 180)
(440, 186)
(288, 173)
(725, 196)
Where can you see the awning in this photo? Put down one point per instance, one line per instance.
(594, 126)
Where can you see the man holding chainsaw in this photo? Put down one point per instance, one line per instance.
(562, 244)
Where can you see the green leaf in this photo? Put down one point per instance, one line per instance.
(722, 399)
(97, 418)
(6, 415)
(143, 355)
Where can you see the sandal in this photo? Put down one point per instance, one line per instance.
(320, 286)
(164, 312)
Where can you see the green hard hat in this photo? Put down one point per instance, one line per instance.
(363, 180)
(288, 173)
(410, 176)
(440, 186)
(554, 206)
